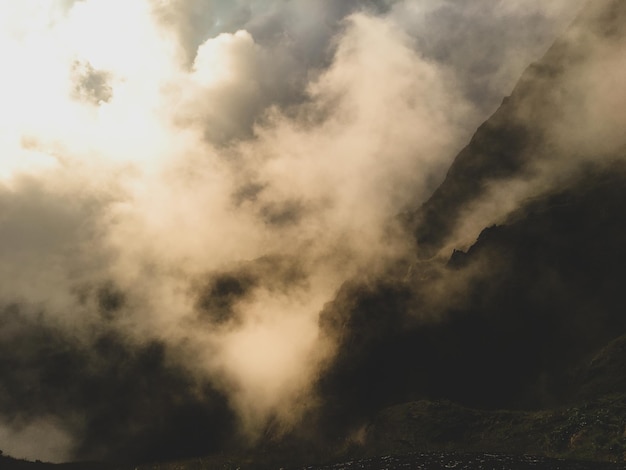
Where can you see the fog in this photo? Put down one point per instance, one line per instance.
(205, 175)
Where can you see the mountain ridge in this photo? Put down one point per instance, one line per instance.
(511, 141)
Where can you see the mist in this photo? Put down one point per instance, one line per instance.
(568, 109)
(185, 184)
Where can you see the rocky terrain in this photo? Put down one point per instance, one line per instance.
(442, 461)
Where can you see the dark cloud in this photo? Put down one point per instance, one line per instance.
(119, 400)
(91, 85)
(218, 294)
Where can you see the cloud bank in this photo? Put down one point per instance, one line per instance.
(185, 184)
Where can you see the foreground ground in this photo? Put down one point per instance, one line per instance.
(432, 461)
(436, 461)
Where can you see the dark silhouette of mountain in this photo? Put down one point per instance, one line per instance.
(9, 463)
(501, 325)
(603, 374)
(535, 297)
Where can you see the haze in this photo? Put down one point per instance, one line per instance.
(149, 149)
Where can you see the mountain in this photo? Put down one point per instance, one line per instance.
(604, 374)
(515, 137)
(527, 303)
(503, 324)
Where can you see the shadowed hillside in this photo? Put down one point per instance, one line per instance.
(502, 324)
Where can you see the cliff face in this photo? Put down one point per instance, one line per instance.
(521, 133)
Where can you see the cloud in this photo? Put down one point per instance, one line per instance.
(330, 179)
(186, 184)
(91, 85)
(487, 44)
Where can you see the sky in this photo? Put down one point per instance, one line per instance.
(205, 175)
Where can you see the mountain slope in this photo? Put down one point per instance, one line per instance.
(500, 323)
(516, 137)
(500, 326)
